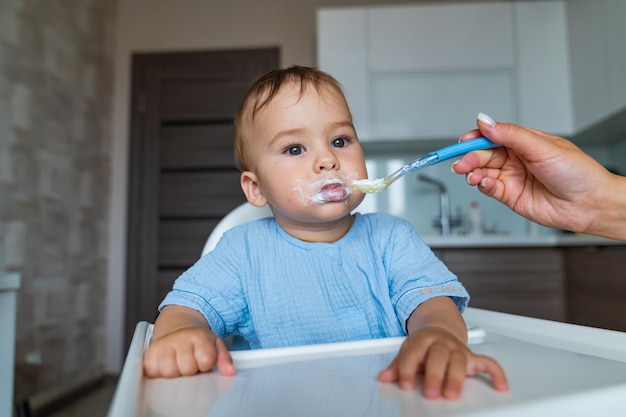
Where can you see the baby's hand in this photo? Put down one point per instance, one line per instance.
(444, 360)
(186, 352)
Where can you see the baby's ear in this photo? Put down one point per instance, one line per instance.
(252, 189)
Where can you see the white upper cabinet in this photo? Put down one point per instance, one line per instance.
(342, 52)
(436, 38)
(425, 71)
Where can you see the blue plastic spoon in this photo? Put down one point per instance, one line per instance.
(432, 158)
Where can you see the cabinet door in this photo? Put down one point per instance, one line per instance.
(440, 38)
(341, 51)
(543, 67)
(528, 282)
(438, 105)
(596, 286)
(433, 68)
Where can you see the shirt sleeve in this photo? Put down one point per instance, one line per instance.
(212, 286)
(416, 274)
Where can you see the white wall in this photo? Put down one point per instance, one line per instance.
(163, 25)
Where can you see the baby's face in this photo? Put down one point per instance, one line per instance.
(306, 153)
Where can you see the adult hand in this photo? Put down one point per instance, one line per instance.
(546, 179)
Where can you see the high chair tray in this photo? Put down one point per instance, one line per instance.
(553, 368)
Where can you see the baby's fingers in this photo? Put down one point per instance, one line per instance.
(186, 361)
(224, 361)
(160, 362)
(209, 351)
(405, 366)
(435, 370)
(455, 376)
(151, 364)
(390, 373)
(484, 364)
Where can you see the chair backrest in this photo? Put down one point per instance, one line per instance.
(240, 214)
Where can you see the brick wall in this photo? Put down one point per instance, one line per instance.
(55, 138)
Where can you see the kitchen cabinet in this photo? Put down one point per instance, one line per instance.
(401, 38)
(568, 282)
(596, 286)
(424, 71)
(428, 68)
(523, 281)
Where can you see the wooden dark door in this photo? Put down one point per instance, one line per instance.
(183, 178)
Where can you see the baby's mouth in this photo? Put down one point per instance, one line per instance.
(334, 191)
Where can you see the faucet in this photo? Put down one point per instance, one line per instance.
(445, 221)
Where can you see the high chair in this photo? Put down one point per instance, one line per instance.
(241, 214)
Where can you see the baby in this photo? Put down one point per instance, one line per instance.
(315, 272)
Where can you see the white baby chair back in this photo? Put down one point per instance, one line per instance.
(241, 214)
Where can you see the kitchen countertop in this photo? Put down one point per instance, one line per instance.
(517, 241)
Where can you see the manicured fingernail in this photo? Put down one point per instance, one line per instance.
(482, 182)
(486, 119)
(460, 137)
(452, 166)
(468, 176)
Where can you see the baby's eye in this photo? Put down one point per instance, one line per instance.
(340, 142)
(294, 150)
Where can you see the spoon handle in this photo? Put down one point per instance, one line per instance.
(445, 153)
(462, 148)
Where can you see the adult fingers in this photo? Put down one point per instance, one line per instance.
(526, 142)
(489, 158)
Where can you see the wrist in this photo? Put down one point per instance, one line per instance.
(609, 218)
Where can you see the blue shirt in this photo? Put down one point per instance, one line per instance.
(276, 290)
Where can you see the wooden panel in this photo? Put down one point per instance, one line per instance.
(202, 194)
(500, 260)
(210, 85)
(596, 286)
(528, 282)
(202, 99)
(165, 281)
(197, 146)
(181, 241)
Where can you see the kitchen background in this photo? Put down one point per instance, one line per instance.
(65, 74)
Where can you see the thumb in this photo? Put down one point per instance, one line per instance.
(522, 140)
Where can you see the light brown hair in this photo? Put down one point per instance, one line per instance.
(261, 93)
